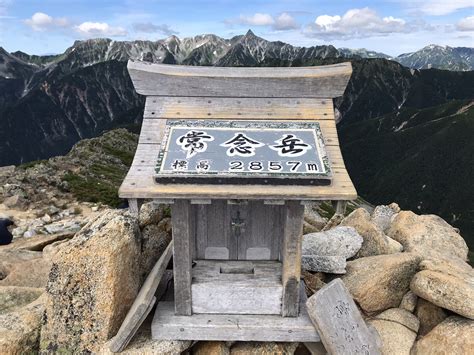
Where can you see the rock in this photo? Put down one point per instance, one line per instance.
(46, 218)
(333, 222)
(30, 273)
(19, 330)
(429, 315)
(455, 335)
(71, 226)
(447, 284)
(375, 242)
(38, 243)
(428, 235)
(380, 282)
(308, 228)
(93, 282)
(327, 251)
(408, 302)
(29, 233)
(260, 348)
(382, 216)
(150, 213)
(155, 239)
(12, 297)
(397, 329)
(15, 202)
(313, 282)
(314, 219)
(211, 348)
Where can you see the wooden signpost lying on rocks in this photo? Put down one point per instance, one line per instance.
(236, 152)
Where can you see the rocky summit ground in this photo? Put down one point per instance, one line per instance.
(76, 264)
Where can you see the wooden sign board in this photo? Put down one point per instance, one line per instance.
(243, 152)
(339, 322)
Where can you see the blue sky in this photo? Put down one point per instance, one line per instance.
(393, 27)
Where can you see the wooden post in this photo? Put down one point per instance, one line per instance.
(134, 205)
(291, 257)
(182, 221)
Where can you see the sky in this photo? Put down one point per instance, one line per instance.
(392, 27)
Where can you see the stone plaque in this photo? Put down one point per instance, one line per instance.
(339, 322)
(278, 152)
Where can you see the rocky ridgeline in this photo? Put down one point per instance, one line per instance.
(54, 196)
(407, 273)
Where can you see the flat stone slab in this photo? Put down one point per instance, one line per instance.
(339, 322)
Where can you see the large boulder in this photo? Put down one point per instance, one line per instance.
(380, 282)
(327, 251)
(375, 242)
(428, 235)
(455, 335)
(447, 283)
(29, 273)
(20, 330)
(397, 329)
(93, 282)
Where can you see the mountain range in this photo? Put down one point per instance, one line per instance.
(400, 128)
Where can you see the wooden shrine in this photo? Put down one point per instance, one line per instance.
(237, 152)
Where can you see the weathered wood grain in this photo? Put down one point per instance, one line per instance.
(134, 205)
(182, 220)
(224, 327)
(339, 322)
(291, 257)
(241, 108)
(237, 287)
(297, 82)
(143, 303)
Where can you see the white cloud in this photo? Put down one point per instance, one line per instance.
(257, 19)
(285, 22)
(282, 22)
(466, 24)
(356, 23)
(94, 29)
(439, 7)
(41, 21)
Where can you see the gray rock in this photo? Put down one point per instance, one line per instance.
(150, 213)
(339, 241)
(382, 216)
(408, 302)
(327, 251)
(328, 264)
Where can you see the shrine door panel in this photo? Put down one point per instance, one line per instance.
(250, 231)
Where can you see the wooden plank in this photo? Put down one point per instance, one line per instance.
(291, 258)
(242, 108)
(182, 223)
(237, 287)
(339, 322)
(143, 303)
(225, 327)
(178, 80)
(145, 187)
